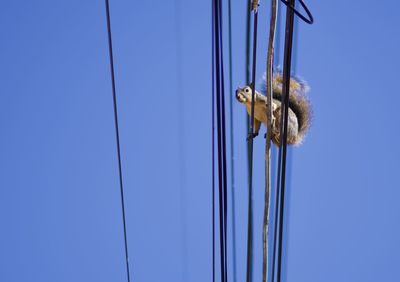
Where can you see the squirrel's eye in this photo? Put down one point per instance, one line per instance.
(247, 90)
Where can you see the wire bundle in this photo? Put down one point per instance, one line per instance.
(280, 195)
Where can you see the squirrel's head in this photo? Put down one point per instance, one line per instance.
(243, 95)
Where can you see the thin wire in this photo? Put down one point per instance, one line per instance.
(232, 144)
(280, 198)
(213, 142)
(248, 67)
(284, 121)
(269, 78)
(283, 137)
(249, 272)
(221, 136)
(249, 158)
(110, 49)
(248, 47)
(224, 162)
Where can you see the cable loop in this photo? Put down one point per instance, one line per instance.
(309, 20)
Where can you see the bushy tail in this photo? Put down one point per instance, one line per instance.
(298, 100)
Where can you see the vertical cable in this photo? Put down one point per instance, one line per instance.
(249, 161)
(249, 276)
(224, 162)
(269, 78)
(213, 141)
(232, 144)
(221, 136)
(280, 198)
(284, 126)
(110, 49)
(248, 68)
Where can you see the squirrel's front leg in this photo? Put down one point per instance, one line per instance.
(254, 134)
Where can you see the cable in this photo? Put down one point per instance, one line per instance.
(117, 135)
(249, 272)
(224, 162)
(232, 144)
(213, 143)
(248, 67)
(249, 159)
(269, 78)
(290, 12)
(221, 135)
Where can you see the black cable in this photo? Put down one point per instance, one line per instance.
(224, 162)
(232, 143)
(249, 272)
(280, 196)
(221, 136)
(249, 159)
(213, 142)
(248, 67)
(117, 135)
(248, 47)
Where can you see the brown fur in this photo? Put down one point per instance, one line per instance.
(299, 110)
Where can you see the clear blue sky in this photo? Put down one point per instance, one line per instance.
(59, 200)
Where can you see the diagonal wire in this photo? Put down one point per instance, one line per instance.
(110, 49)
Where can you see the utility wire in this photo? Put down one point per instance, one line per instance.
(224, 162)
(232, 151)
(110, 49)
(284, 122)
(213, 141)
(249, 272)
(279, 209)
(249, 158)
(269, 78)
(248, 68)
(221, 135)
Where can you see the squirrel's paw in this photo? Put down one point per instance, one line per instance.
(252, 135)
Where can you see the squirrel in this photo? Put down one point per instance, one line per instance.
(300, 112)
